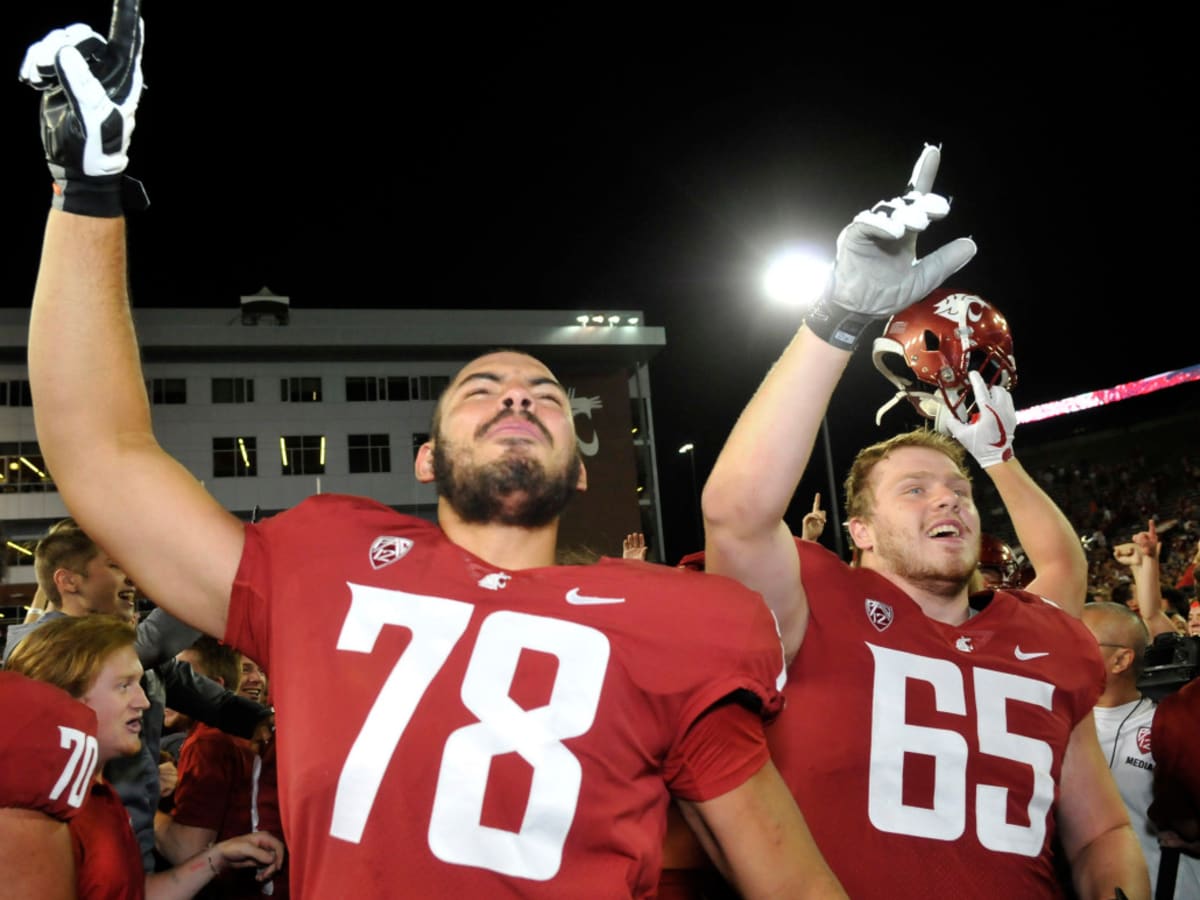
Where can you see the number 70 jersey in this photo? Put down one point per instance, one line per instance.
(449, 728)
(926, 757)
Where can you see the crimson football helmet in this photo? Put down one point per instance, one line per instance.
(928, 349)
(998, 565)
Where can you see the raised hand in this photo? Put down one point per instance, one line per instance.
(814, 522)
(91, 87)
(876, 272)
(634, 546)
(989, 435)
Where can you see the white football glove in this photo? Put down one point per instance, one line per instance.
(876, 272)
(989, 435)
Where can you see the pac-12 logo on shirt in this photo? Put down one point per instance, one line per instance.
(387, 549)
(1143, 739)
(879, 614)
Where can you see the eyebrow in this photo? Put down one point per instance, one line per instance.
(539, 381)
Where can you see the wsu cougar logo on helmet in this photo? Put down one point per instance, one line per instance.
(962, 309)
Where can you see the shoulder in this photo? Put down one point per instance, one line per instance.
(328, 520)
(43, 728)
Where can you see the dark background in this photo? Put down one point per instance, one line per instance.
(366, 157)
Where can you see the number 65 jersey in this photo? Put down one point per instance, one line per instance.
(926, 757)
(448, 728)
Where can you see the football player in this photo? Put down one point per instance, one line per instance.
(933, 745)
(476, 722)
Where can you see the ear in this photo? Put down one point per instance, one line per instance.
(581, 484)
(1123, 660)
(423, 465)
(860, 533)
(66, 581)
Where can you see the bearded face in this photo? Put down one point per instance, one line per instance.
(513, 489)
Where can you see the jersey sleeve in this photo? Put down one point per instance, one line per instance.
(719, 752)
(249, 622)
(713, 665)
(48, 748)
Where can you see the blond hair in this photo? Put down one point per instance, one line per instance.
(70, 652)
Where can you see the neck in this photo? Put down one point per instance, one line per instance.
(504, 546)
(942, 602)
(1118, 693)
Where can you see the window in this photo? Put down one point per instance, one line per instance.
(233, 390)
(300, 390)
(370, 453)
(428, 387)
(15, 393)
(167, 390)
(235, 457)
(22, 469)
(369, 388)
(302, 454)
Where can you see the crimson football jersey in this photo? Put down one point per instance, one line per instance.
(214, 786)
(926, 757)
(450, 728)
(108, 860)
(48, 747)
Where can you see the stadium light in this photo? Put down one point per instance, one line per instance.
(795, 277)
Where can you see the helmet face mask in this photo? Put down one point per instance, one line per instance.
(928, 350)
(999, 565)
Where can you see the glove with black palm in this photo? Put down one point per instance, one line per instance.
(876, 272)
(90, 91)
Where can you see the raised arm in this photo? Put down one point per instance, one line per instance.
(1141, 556)
(876, 273)
(90, 405)
(1047, 536)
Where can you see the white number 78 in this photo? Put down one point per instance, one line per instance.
(456, 834)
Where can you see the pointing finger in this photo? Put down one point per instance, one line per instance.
(817, 502)
(925, 171)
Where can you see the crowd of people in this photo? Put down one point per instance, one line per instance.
(466, 717)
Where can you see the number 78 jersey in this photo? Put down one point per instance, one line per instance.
(925, 757)
(449, 728)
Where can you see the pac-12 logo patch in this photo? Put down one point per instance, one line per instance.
(386, 550)
(1143, 739)
(879, 614)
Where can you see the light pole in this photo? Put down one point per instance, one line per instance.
(689, 449)
(796, 278)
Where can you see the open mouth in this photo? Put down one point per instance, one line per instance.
(129, 598)
(134, 725)
(252, 693)
(944, 530)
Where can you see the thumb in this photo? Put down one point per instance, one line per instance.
(939, 265)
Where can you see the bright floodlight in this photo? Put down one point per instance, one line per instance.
(687, 448)
(796, 278)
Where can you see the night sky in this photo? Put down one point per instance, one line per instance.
(618, 160)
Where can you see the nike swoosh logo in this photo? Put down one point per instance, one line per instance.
(1026, 656)
(999, 424)
(577, 599)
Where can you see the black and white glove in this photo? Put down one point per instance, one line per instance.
(876, 272)
(90, 91)
(989, 435)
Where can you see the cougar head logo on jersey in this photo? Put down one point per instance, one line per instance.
(879, 614)
(386, 550)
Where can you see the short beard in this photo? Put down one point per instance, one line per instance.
(943, 583)
(513, 490)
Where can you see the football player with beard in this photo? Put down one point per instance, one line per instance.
(478, 721)
(934, 741)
